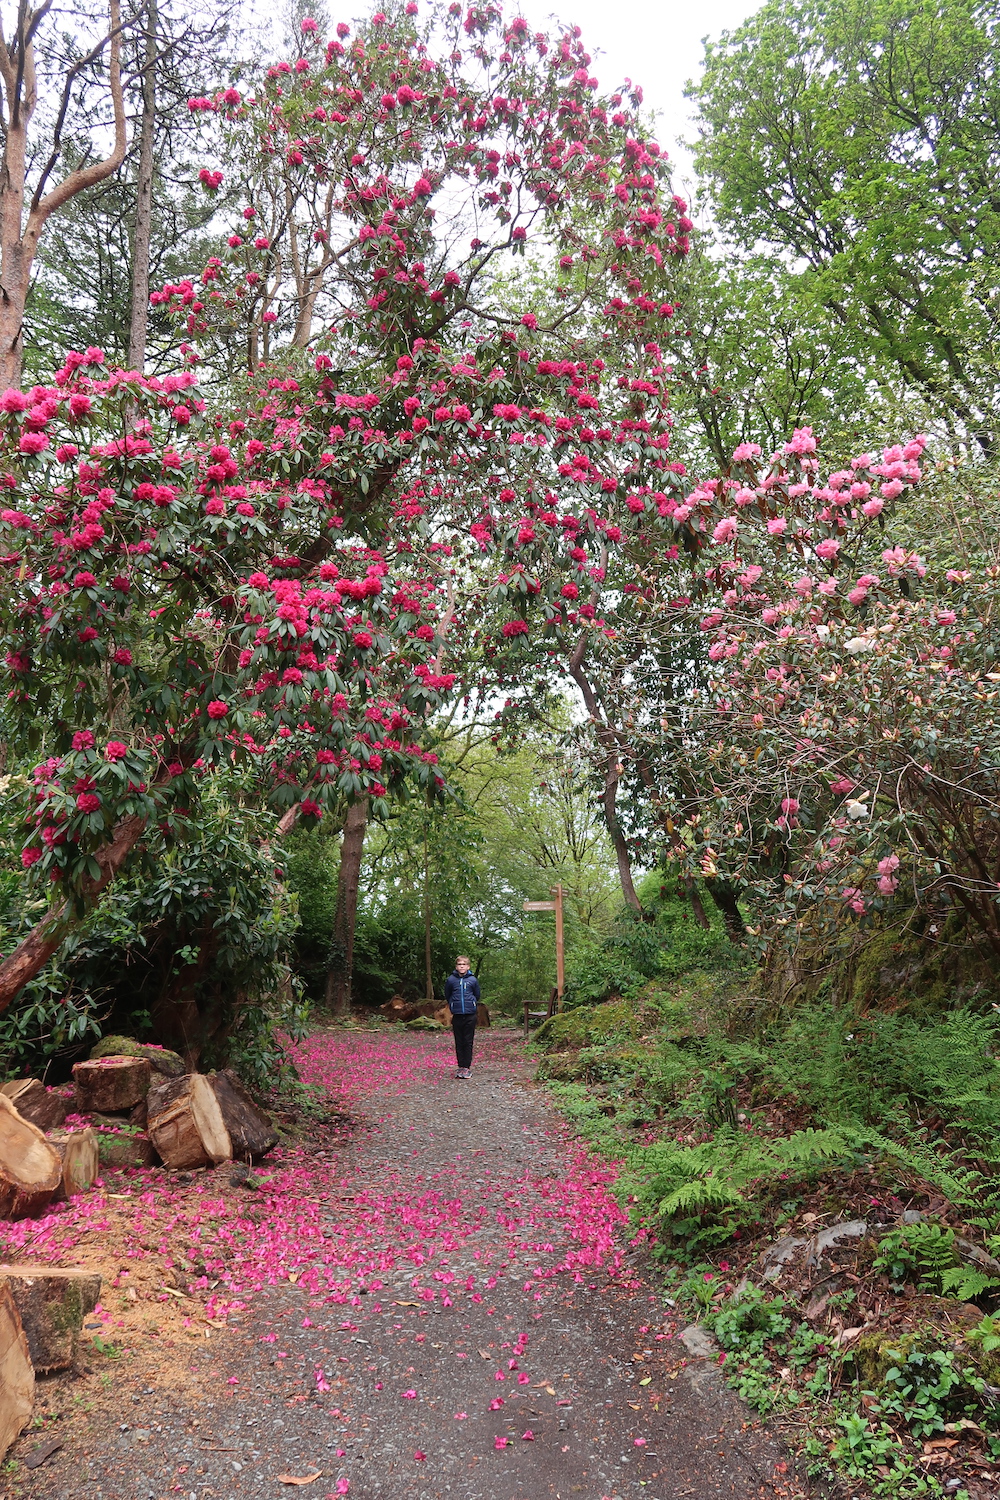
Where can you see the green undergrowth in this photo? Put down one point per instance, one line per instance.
(735, 1123)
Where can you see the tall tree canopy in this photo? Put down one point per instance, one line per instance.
(859, 141)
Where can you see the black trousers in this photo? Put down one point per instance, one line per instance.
(464, 1028)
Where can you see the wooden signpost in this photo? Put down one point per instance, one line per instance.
(557, 907)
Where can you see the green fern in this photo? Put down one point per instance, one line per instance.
(966, 1283)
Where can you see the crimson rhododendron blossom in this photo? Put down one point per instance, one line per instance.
(257, 659)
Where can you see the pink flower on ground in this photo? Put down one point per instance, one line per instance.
(419, 1456)
(500, 1442)
(528, 1436)
(409, 1395)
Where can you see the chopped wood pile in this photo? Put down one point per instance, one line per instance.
(54, 1143)
(132, 1116)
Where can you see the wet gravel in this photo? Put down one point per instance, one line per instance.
(612, 1409)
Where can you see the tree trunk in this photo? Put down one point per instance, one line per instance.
(52, 1304)
(36, 1104)
(30, 1170)
(428, 963)
(19, 236)
(724, 896)
(609, 747)
(30, 956)
(80, 1161)
(139, 320)
(186, 1124)
(17, 1375)
(340, 972)
(251, 1133)
(111, 1085)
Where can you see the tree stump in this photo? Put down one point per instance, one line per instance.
(251, 1133)
(186, 1124)
(111, 1084)
(17, 1376)
(30, 1170)
(482, 1015)
(36, 1104)
(52, 1303)
(80, 1163)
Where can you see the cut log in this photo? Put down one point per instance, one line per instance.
(30, 1170)
(17, 1376)
(251, 1133)
(80, 1163)
(52, 1303)
(482, 1015)
(124, 1148)
(37, 1104)
(111, 1084)
(186, 1124)
(160, 1059)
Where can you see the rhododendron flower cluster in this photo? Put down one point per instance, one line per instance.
(306, 668)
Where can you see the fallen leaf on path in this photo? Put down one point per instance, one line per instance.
(406, 1304)
(646, 1380)
(300, 1478)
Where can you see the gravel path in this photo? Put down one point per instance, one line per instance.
(480, 1329)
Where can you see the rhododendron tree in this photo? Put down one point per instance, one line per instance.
(393, 174)
(703, 606)
(168, 607)
(851, 757)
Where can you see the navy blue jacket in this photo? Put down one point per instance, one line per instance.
(462, 993)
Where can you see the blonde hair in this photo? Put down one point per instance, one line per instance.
(463, 958)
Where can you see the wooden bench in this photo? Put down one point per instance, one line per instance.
(540, 1015)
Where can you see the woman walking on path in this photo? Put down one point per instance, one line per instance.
(461, 990)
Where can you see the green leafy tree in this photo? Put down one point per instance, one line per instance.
(858, 141)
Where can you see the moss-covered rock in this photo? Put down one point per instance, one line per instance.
(161, 1059)
(587, 1025)
(423, 1023)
